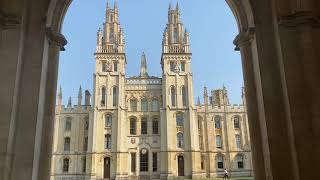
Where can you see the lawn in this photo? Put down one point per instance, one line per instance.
(241, 178)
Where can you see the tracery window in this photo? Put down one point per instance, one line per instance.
(236, 121)
(107, 141)
(217, 122)
(179, 119)
(66, 146)
(133, 105)
(133, 126)
(173, 96)
(144, 160)
(155, 126)
(155, 106)
(108, 120)
(144, 105)
(144, 126)
(65, 166)
(180, 140)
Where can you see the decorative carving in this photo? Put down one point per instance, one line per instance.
(133, 140)
(243, 38)
(9, 21)
(56, 38)
(301, 18)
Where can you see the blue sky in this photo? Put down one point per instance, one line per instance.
(212, 29)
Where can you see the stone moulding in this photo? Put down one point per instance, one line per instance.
(300, 18)
(243, 38)
(9, 21)
(56, 38)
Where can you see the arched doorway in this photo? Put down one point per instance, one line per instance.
(180, 166)
(106, 167)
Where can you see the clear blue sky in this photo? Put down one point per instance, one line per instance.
(212, 29)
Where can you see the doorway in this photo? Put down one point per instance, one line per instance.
(180, 166)
(106, 168)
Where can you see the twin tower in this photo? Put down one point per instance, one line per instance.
(143, 126)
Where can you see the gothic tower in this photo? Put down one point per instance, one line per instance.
(109, 117)
(179, 115)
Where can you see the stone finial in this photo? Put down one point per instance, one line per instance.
(177, 6)
(69, 102)
(80, 96)
(143, 66)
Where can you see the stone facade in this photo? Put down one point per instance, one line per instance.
(145, 126)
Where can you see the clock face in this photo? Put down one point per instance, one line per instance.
(143, 151)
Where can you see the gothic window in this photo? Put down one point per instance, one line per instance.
(180, 140)
(179, 120)
(184, 95)
(84, 164)
(218, 141)
(65, 166)
(133, 126)
(144, 105)
(133, 105)
(173, 96)
(154, 162)
(67, 126)
(108, 120)
(85, 144)
(103, 96)
(236, 121)
(220, 161)
(144, 160)
(104, 67)
(175, 35)
(115, 66)
(107, 141)
(144, 126)
(240, 162)
(155, 126)
(172, 66)
(114, 96)
(111, 36)
(182, 66)
(155, 106)
(66, 146)
(217, 122)
(238, 141)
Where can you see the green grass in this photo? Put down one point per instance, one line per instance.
(241, 178)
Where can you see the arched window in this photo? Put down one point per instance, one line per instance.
(172, 66)
(155, 106)
(155, 126)
(114, 96)
(220, 163)
(238, 141)
(182, 66)
(84, 164)
(85, 144)
(111, 35)
(173, 96)
(184, 95)
(107, 141)
(175, 35)
(67, 126)
(144, 160)
(115, 67)
(144, 105)
(236, 121)
(65, 165)
(179, 119)
(144, 126)
(217, 122)
(66, 146)
(240, 163)
(103, 96)
(133, 126)
(104, 67)
(180, 140)
(108, 120)
(133, 105)
(218, 141)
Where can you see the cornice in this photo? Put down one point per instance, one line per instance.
(300, 18)
(56, 38)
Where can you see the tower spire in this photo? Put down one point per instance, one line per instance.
(170, 6)
(59, 101)
(143, 66)
(177, 6)
(116, 4)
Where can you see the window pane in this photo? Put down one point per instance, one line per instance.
(108, 121)
(65, 165)
(133, 162)
(179, 120)
(144, 160)
(217, 122)
(218, 141)
(155, 105)
(144, 105)
(115, 66)
(238, 141)
(172, 66)
(155, 126)
(107, 143)
(84, 165)
(68, 125)
(154, 162)
(180, 140)
(133, 127)
(184, 96)
(114, 96)
(67, 144)
(182, 67)
(220, 161)
(144, 127)
(103, 96)
(236, 122)
(133, 105)
(173, 96)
